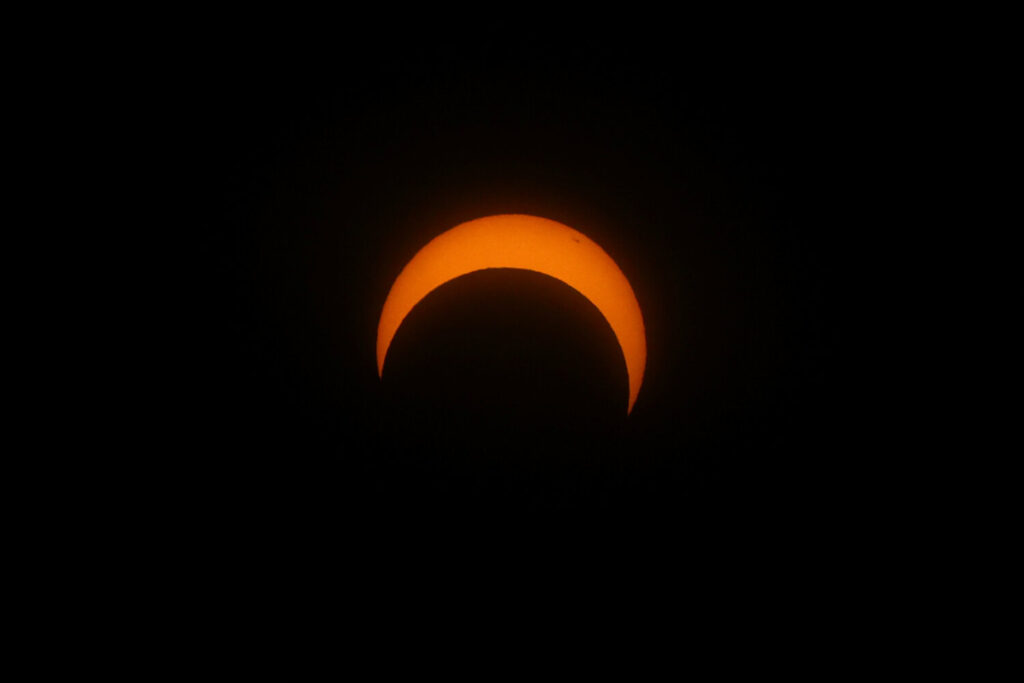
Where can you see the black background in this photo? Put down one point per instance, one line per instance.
(713, 176)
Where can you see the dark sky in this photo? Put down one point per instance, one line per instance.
(709, 176)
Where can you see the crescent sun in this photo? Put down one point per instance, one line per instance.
(526, 243)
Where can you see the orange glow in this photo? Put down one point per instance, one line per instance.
(526, 243)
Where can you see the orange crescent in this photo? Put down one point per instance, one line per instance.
(526, 243)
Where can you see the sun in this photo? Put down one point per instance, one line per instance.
(527, 243)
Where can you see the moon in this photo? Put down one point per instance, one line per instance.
(527, 243)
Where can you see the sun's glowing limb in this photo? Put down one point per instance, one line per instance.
(527, 243)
